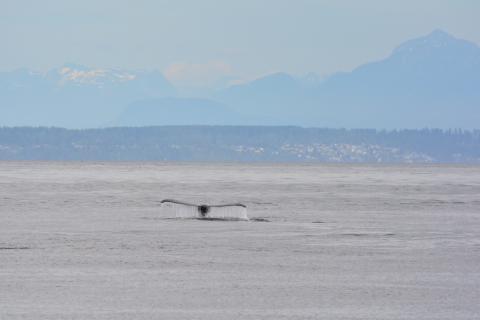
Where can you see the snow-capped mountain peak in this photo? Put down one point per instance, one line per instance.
(99, 77)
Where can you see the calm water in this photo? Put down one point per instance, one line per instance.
(89, 241)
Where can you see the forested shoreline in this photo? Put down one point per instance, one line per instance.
(240, 144)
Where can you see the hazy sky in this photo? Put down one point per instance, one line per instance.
(201, 41)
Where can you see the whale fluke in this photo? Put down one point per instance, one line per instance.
(229, 211)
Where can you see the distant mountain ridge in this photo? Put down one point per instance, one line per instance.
(431, 81)
(181, 111)
(74, 95)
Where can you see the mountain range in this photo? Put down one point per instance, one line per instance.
(431, 81)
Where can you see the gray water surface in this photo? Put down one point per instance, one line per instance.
(89, 241)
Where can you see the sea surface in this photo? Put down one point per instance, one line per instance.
(90, 241)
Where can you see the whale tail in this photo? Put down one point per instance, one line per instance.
(185, 210)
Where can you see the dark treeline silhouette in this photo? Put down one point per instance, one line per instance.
(240, 143)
